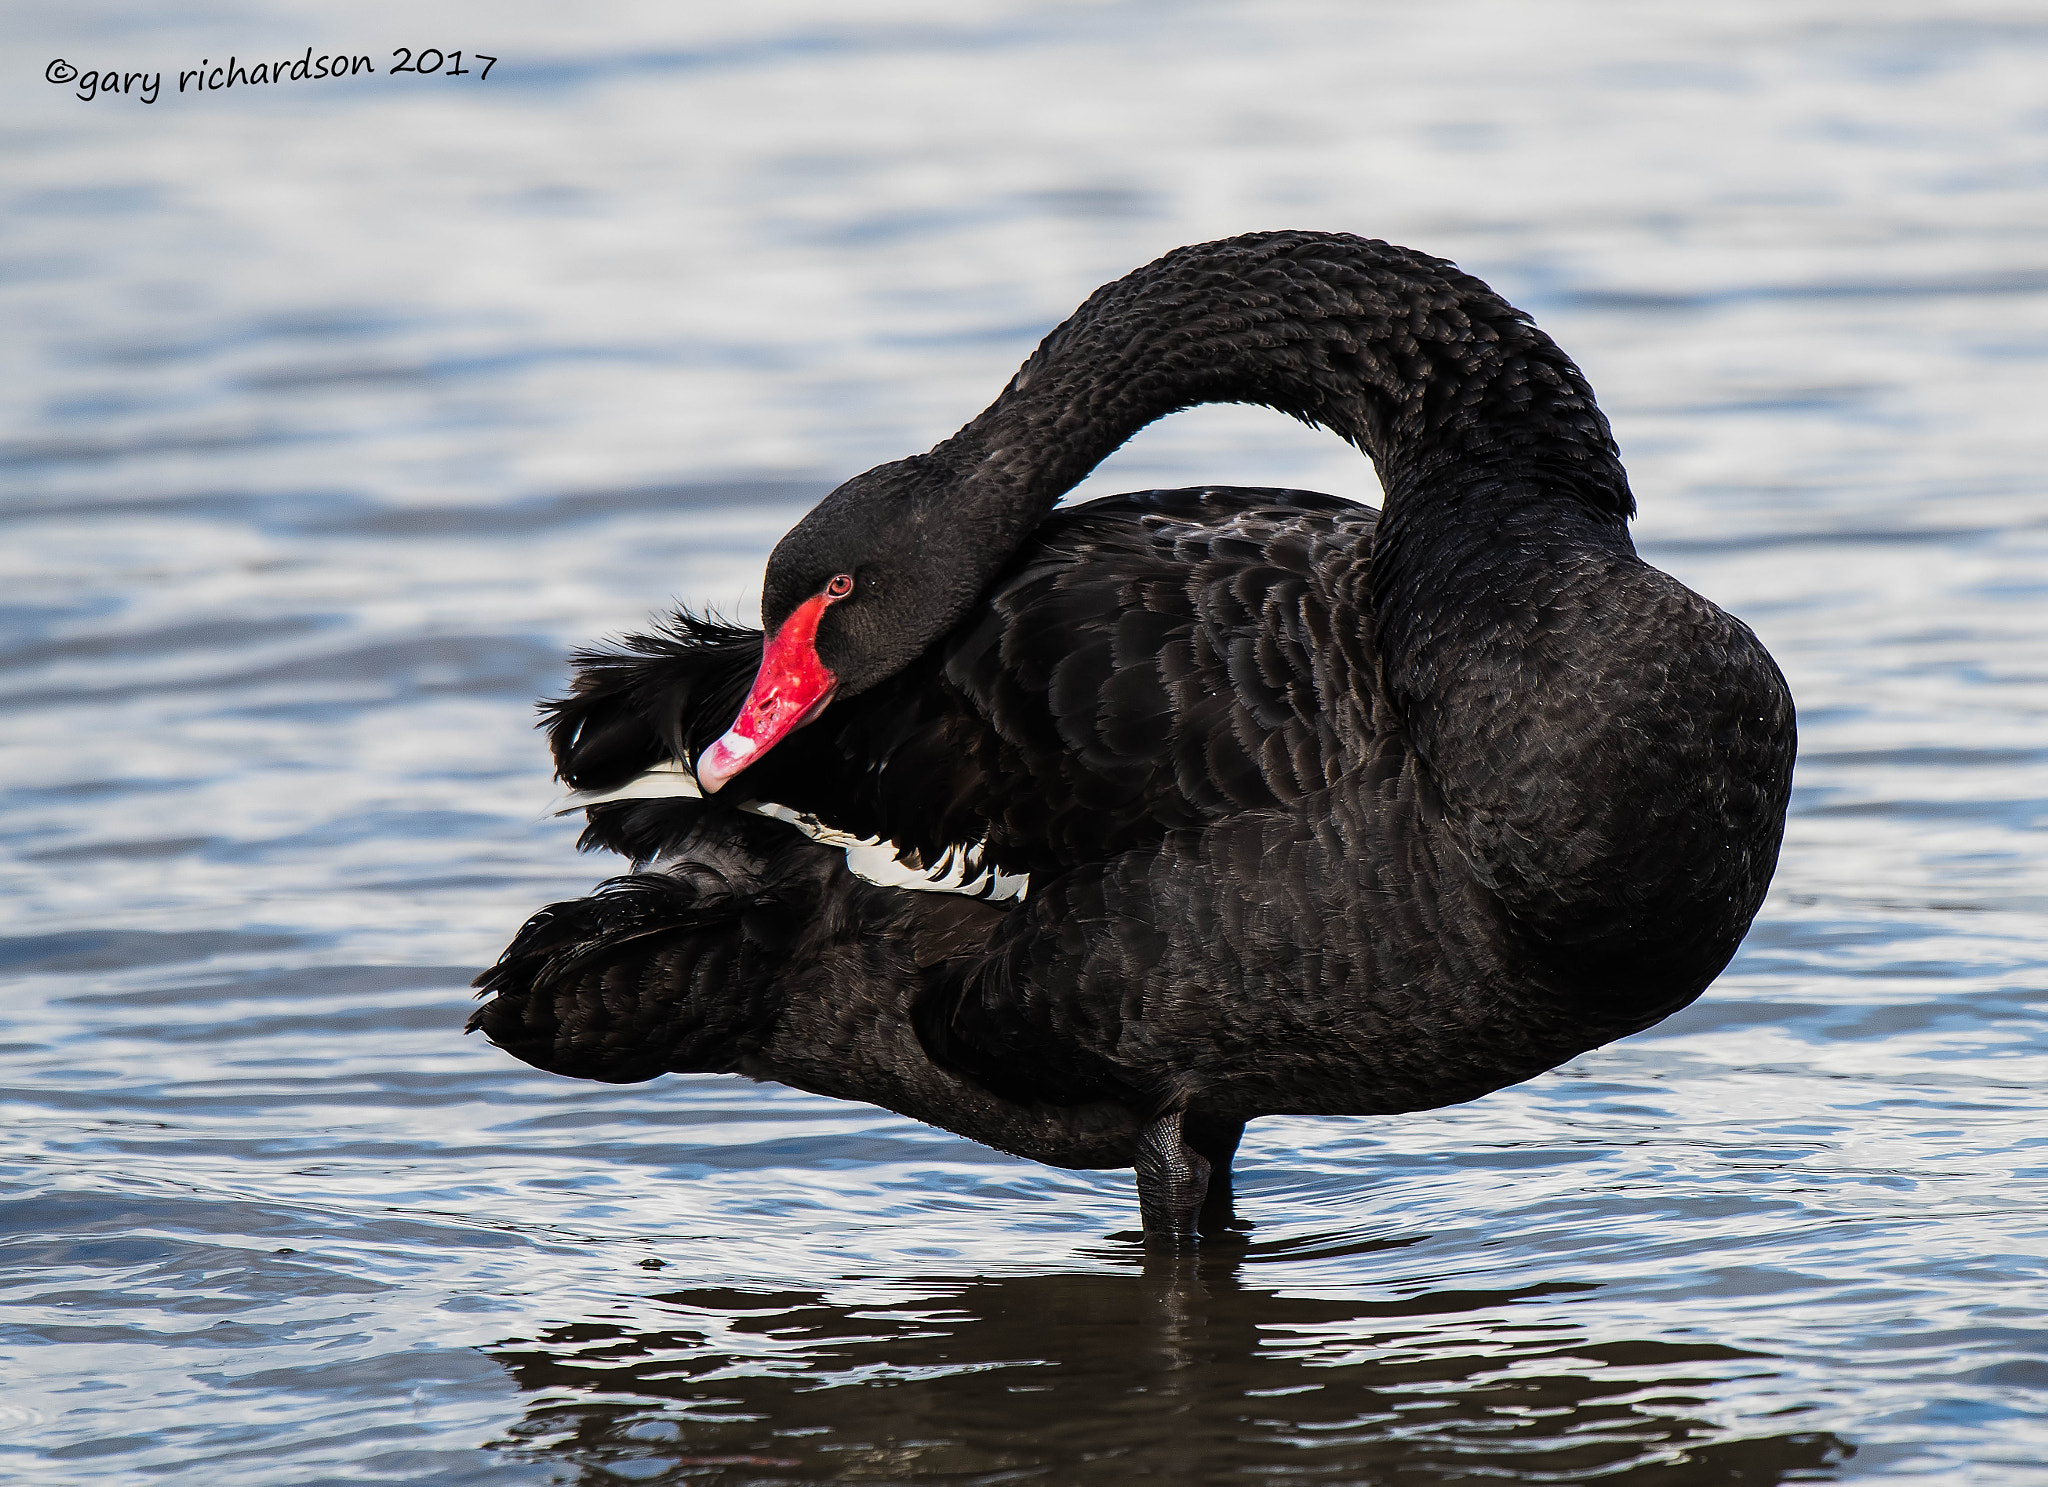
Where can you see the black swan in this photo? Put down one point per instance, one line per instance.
(1321, 810)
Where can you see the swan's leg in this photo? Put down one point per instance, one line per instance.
(1173, 1179)
(1215, 1141)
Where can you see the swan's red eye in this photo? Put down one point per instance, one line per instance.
(840, 586)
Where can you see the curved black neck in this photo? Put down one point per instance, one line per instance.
(1449, 389)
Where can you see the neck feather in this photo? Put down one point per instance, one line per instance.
(1447, 387)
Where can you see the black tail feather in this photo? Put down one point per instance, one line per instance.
(650, 697)
(643, 830)
(657, 972)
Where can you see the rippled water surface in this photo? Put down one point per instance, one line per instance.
(336, 413)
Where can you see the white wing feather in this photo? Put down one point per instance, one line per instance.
(870, 858)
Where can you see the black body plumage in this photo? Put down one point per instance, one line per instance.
(1326, 811)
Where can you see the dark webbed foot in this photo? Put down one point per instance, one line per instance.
(1183, 1167)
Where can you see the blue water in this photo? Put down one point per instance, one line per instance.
(337, 413)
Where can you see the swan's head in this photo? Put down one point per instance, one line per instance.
(863, 584)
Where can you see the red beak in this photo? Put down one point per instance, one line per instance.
(791, 688)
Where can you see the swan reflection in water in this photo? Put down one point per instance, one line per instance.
(1182, 1373)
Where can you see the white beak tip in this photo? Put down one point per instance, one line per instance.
(724, 759)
